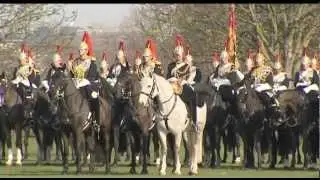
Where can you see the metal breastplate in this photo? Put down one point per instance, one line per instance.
(261, 73)
(80, 68)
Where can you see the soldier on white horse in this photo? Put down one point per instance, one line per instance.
(150, 61)
(121, 65)
(182, 74)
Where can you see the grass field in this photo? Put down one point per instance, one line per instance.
(28, 169)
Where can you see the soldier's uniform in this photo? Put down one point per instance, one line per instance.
(215, 64)
(121, 65)
(86, 76)
(316, 64)
(150, 60)
(182, 76)
(306, 80)
(104, 66)
(24, 75)
(56, 65)
(224, 69)
(263, 81)
(280, 78)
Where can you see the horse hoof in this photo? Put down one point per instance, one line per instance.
(64, 172)
(299, 162)
(78, 172)
(133, 171)
(107, 171)
(193, 173)
(19, 163)
(238, 160)
(91, 169)
(144, 171)
(224, 161)
(9, 163)
(162, 173)
(272, 166)
(176, 172)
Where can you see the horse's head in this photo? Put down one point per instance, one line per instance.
(148, 88)
(57, 85)
(123, 87)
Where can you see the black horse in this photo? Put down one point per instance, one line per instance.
(250, 124)
(79, 122)
(139, 118)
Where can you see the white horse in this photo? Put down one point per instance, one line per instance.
(173, 114)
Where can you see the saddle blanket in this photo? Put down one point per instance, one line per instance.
(217, 82)
(279, 88)
(23, 81)
(313, 87)
(262, 87)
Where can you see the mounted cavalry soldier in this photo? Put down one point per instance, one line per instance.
(86, 76)
(215, 61)
(263, 81)
(182, 75)
(150, 60)
(224, 72)
(104, 66)
(121, 65)
(280, 78)
(306, 80)
(56, 65)
(24, 75)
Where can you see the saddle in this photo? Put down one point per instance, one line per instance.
(177, 86)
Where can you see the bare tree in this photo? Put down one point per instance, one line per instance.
(39, 25)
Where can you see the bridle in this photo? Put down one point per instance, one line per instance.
(149, 95)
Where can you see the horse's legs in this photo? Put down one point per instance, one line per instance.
(19, 145)
(134, 149)
(273, 149)
(156, 146)
(217, 147)
(107, 148)
(58, 144)
(145, 147)
(26, 142)
(225, 146)
(186, 147)
(91, 148)
(298, 148)
(177, 164)
(9, 145)
(237, 148)
(65, 152)
(77, 144)
(3, 147)
(39, 138)
(305, 147)
(258, 148)
(128, 149)
(163, 141)
(116, 136)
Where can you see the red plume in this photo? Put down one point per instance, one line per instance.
(215, 56)
(71, 56)
(104, 56)
(23, 47)
(152, 46)
(30, 53)
(88, 40)
(138, 54)
(121, 45)
(179, 40)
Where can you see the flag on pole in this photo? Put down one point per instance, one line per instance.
(232, 36)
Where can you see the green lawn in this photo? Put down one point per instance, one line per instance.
(28, 169)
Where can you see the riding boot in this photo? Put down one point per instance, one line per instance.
(156, 102)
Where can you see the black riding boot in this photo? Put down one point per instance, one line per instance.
(96, 112)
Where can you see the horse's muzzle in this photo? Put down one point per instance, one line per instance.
(125, 94)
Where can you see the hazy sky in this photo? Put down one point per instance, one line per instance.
(104, 14)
